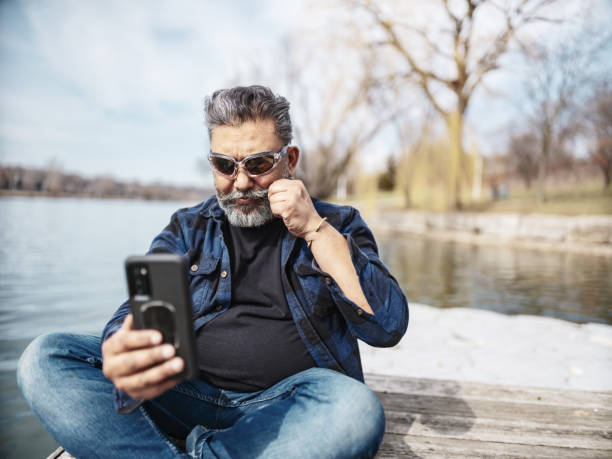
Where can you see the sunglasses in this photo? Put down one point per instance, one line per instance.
(254, 165)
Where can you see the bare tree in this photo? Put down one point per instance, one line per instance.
(386, 179)
(558, 81)
(336, 113)
(552, 85)
(523, 155)
(448, 60)
(415, 140)
(601, 122)
(53, 177)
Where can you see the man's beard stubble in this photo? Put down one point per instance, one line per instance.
(259, 214)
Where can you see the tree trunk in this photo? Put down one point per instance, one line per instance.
(543, 169)
(454, 127)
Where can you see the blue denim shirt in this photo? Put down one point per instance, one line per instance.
(327, 321)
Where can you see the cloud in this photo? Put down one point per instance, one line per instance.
(126, 53)
(116, 86)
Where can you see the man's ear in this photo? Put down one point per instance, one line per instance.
(293, 154)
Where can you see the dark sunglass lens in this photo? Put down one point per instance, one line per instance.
(259, 165)
(225, 166)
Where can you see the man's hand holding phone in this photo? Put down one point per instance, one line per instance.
(137, 364)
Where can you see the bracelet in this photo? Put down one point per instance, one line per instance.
(324, 219)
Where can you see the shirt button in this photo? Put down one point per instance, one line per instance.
(194, 267)
(359, 312)
(328, 281)
(219, 307)
(223, 274)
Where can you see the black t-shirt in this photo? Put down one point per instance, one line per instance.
(255, 343)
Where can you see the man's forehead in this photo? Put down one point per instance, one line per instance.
(247, 129)
(246, 138)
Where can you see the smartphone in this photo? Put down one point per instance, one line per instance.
(158, 286)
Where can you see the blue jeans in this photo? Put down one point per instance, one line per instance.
(317, 413)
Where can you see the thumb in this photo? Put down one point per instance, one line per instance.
(128, 323)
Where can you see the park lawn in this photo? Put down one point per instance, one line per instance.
(583, 199)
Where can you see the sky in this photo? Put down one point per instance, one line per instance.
(116, 88)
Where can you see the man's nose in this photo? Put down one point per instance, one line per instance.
(243, 182)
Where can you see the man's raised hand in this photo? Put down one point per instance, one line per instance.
(290, 201)
(137, 364)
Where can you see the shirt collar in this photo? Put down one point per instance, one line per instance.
(213, 210)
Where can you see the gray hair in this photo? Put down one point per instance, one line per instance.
(234, 106)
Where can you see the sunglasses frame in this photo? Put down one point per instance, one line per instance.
(277, 157)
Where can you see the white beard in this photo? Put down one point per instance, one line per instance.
(257, 215)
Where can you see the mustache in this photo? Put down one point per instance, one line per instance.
(231, 197)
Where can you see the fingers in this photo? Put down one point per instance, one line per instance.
(286, 185)
(129, 363)
(278, 194)
(152, 382)
(280, 185)
(278, 207)
(138, 339)
(135, 363)
(288, 190)
(127, 339)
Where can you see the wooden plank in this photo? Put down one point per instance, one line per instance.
(453, 419)
(516, 431)
(502, 411)
(497, 392)
(441, 418)
(411, 446)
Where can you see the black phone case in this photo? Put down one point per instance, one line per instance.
(166, 305)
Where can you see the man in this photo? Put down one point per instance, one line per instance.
(282, 285)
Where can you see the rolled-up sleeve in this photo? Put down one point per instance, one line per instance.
(389, 321)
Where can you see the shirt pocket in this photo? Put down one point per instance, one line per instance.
(203, 281)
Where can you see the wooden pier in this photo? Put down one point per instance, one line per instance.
(432, 418)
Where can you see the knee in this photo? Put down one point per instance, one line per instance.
(358, 410)
(358, 405)
(36, 363)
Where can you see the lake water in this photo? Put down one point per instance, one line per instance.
(61, 269)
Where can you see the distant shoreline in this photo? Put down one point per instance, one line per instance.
(37, 194)
(50, 182)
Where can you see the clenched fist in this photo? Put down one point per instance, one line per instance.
(290, 201)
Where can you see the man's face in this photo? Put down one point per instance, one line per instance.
(244, 199)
